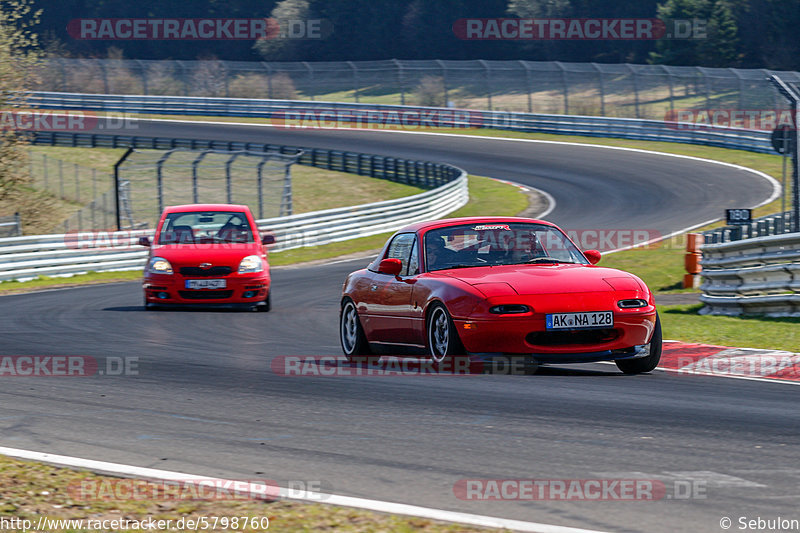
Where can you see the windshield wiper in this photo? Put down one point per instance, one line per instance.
(546, 260)
(448, 267)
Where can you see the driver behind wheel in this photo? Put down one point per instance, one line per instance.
(437, 256)
(526, 248)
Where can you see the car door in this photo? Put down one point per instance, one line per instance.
(391, 317)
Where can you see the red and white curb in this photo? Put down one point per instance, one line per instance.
(725, 361)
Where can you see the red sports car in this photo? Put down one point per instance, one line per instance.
(498, 286)
(207, 254)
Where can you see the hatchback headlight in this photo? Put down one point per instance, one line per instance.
(251, 263)
(159, 265)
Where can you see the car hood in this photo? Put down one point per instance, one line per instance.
(222, 254)
(545, 279)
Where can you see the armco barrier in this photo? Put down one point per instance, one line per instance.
(292, 113)
(424, 174)
(48, 255)
(754, 276)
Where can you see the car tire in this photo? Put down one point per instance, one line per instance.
(649, 362)
(267, 304)
(351, 334)
(442, 337)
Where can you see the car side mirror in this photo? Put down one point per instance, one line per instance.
(593, 256)
(390, 266)
(268, 239)
(144, 241)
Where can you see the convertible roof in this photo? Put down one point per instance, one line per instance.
(433, 224)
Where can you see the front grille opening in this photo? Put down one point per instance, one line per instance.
(572, 336)
(206, 272)
(205, 295)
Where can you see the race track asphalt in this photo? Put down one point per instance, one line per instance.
(207, 399)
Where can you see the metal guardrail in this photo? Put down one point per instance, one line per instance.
(760, 275)
(424, 174)
(293, 113)
(78, 252)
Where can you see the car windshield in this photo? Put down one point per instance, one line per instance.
(489, 244)
(208, 227)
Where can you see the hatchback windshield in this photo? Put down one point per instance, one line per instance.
(488, 244)
(205, 228)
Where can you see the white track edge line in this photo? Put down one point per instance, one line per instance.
(331, 499)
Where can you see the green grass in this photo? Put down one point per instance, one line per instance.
(32, 490)
(103, 159)
(49, 282)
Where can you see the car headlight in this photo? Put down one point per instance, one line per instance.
(633, 303)
(251, 263)
(509, 309)
(159, 265)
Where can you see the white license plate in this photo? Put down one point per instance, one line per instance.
(205, 283)
(601, 319)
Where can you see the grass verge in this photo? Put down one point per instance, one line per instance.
(34, 490)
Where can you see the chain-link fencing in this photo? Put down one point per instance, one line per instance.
(150, 180)
(86, 192)
(614, 90)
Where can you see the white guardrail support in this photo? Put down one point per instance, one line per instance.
(27, 257)
(752, 276)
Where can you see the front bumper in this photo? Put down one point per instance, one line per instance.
(631, 332)
(240, 291)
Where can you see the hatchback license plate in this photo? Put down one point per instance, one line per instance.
(601, 319)
(205, 283)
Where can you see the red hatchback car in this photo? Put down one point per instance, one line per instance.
(498, 286)
(207, 254)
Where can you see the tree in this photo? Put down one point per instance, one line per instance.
(18, 57)
(283, 48)
(718, 46)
